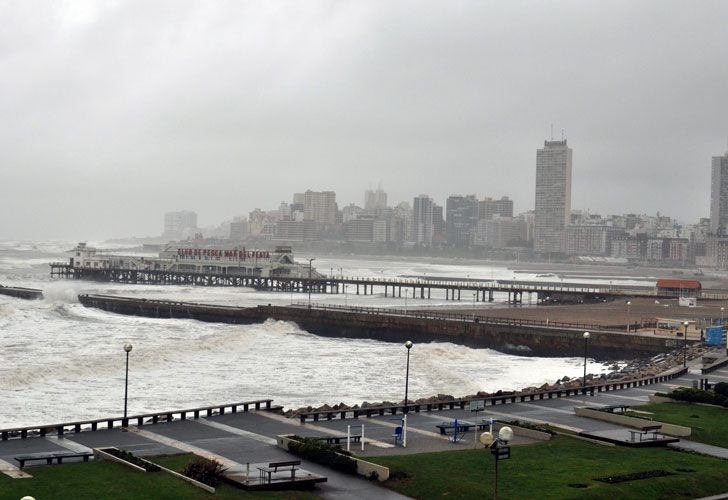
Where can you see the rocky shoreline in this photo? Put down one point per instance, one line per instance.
(631, 370)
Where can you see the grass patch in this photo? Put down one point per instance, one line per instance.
(176, 463)
(563, 467)
(708, 422)
(109, 480)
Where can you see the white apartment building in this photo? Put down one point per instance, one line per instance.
(553, 197)
(719, 195)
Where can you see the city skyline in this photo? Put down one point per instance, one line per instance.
(118, 112)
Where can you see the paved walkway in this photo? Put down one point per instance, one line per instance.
(704, 449)
(241, 438)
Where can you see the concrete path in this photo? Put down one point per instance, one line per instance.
(11, 470)
(703, 449)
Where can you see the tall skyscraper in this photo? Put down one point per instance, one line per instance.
(553, 197)
(719, 195)
(422, 219)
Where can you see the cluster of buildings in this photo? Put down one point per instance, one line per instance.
(551, 230)
(463, 222)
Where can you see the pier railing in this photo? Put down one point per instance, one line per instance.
(473, 317)
(501, 399)
(139, 420)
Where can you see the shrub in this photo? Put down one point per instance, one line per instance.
(721, 400)
(721, 388)
(528, 425)
(132, 459)
(205, 471)
(322, 453)
(692, 395)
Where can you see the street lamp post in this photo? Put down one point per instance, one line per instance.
(586, 350)
(127, 349)
(309, 281)
(722, 309)
(629, 303)
(499, 449)
(685, 344)
(408, 345)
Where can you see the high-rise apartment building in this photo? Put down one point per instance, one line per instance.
(584, 239)
(438, 224)
(489, 207)
(553, 197)
(400, 223)
(461, 218)
(422, 219)
(719, 195)
(499, 232)
(320, 207)
(179, 225)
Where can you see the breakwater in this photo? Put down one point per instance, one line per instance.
(21, 293)
(510, 336)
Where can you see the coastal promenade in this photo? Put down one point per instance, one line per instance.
(250, 437)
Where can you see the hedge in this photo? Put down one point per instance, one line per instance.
(325, 454)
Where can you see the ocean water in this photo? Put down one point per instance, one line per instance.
(60, 361)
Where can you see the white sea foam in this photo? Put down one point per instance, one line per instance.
(62, 361)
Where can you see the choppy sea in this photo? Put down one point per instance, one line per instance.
(60, 361)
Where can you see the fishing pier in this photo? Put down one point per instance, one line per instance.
(423, 288)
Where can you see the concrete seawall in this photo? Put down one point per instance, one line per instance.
(527, 340)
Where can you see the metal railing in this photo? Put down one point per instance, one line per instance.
(116, 422)
(507, 398)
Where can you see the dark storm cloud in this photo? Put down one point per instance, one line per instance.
(112, 113)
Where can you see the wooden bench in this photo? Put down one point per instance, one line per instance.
(49, 457)
(275, 467)
(338, 439)
(647, 433)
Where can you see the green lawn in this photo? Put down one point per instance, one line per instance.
(709, 424)
(109, 480)
(547, 469)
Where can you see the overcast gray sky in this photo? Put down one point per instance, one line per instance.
(112, 113)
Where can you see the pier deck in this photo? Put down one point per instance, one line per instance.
(475, 290)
